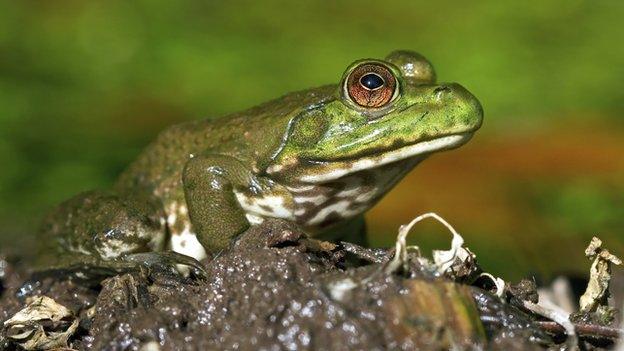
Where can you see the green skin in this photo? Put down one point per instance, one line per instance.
(314, 157)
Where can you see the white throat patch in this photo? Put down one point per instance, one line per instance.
(422, 148)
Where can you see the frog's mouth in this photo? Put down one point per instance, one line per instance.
(323, 171)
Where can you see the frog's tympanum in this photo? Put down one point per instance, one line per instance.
(319, 157)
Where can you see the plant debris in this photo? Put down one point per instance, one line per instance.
(595, 299)
(43, 324)
(457, 264)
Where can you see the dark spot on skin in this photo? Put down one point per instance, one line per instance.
(367, 179)
(309, 213)
(266, 208)
(307, 205)
(397, 144)
(338, 186)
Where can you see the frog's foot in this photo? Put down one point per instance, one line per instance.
(91, 269)
(168, 263)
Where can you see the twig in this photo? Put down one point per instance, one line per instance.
(366, 254)
(558, 315)
(583, 329)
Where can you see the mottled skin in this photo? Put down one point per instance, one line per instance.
(316, 157)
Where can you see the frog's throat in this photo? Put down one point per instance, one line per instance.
(327, 171)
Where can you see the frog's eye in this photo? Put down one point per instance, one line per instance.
(371, 85)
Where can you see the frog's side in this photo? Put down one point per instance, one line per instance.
(319, 157)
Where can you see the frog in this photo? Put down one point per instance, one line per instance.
(319, 158)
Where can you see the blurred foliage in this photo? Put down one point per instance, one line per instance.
(84, 85)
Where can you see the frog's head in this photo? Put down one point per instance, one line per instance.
(382, 112)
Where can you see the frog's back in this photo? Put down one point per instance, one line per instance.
(165, 157)
(251, 136)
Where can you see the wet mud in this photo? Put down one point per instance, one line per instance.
(275, 289)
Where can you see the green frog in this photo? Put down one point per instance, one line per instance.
(319, 158)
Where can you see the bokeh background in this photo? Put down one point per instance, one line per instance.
(84, 85)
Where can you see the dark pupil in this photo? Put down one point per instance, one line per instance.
(371, 81)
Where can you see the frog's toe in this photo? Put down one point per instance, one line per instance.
(91, 269)
(168, 263)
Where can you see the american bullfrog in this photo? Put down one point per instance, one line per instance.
(319, 157)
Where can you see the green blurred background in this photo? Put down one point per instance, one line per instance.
(84, 85)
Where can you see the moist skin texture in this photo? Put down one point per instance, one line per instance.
(318, 158)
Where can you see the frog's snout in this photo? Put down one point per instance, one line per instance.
(450, 105)
(467, 107)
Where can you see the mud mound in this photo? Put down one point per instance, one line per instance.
(275, 289)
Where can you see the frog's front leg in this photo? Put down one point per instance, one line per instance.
(209, 184)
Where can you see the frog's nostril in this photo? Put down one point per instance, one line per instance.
(441, 91)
